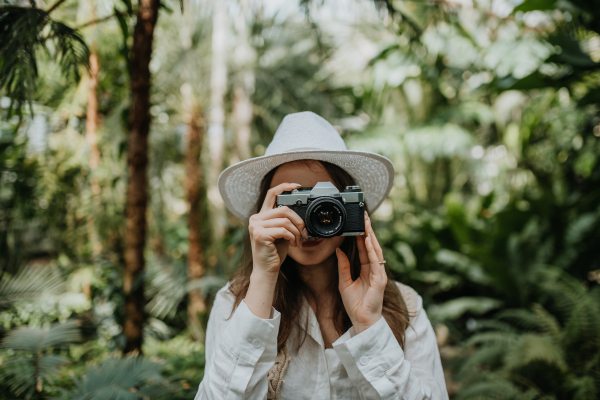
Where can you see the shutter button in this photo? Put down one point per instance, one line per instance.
(364, 360)
(256, 343)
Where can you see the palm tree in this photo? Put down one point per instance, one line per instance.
(35, 363)
(137, 168)
(25, 29)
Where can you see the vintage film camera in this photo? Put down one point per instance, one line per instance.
(327, 212)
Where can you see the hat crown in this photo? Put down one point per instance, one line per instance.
(305, 131)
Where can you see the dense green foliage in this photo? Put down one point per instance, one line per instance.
(489, 112)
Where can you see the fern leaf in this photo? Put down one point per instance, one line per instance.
(532, 348)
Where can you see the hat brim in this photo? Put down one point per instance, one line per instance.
(239, 184)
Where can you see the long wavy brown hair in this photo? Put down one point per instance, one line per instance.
(290, 288)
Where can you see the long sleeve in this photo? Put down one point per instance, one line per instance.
(379, 368)
(239, 352)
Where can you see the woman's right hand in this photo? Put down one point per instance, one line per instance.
(272, 230)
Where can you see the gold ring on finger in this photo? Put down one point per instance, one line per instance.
(382, 262)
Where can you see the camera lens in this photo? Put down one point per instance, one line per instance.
(325, 217)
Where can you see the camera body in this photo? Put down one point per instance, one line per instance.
(325, 211)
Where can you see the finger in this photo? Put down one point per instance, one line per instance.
(376, 268)
(343, 269)
(286, 212)
(272, 193)
(280, 233)
(287, 224)
(369, 230)
(362, 250)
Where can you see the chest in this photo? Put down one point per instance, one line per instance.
(328, 332)
(322, 323)
(317, 373)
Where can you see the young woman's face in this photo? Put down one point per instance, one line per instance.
(307, 174)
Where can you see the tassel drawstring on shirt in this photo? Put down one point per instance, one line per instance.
(276, 373)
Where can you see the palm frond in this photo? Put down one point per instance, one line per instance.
(129, 378)
(33, 340)
(23, 32)
(32, 365)
(30, 283)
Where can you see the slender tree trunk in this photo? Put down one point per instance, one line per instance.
(217, 114)
(137, 163)
(91, 128)
(245, 57)
(243, 114)
(193, 183)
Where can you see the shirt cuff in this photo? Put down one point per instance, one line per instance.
(368, 355)
(247, 336)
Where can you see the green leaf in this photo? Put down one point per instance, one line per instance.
(34, 340)
(164, 6)
(454, 309)
(533, 81)
(30, 283)
(533, 5)
(591, 97)
(128, 378)
(128, 5)
(24, 31)
(571, 53)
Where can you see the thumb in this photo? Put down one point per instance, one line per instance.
(343, 269)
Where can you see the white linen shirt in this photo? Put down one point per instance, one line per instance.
(371, 365)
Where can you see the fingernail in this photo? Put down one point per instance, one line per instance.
(297, 184)
(305, 232)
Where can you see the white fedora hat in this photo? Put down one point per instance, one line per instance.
(305, 136)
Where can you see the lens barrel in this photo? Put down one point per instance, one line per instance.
(325, 217)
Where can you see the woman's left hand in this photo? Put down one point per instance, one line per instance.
(363, 298)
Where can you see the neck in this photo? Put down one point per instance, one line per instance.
(317, 277)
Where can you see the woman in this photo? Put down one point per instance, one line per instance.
(310, 318)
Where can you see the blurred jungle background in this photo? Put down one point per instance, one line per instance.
(117, 117)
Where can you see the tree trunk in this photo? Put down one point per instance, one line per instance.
(245, 58)
(193, 177)
(91, 127)
(217, 114)
(243, 114)
(137, 163)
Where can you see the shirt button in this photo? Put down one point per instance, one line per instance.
(256, 343)
(364, 360)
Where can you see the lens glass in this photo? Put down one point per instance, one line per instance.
(326, 218)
